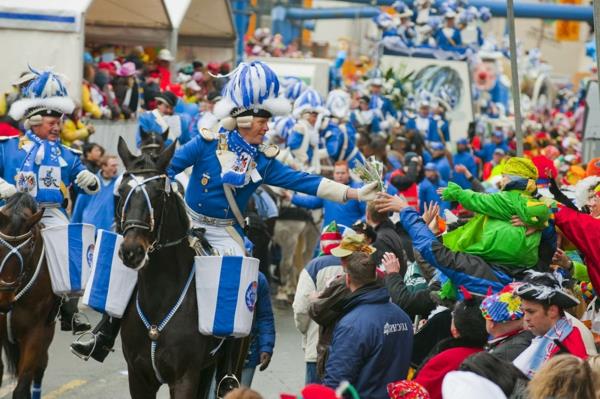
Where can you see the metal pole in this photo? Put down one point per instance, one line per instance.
(516, 92)
(597, 35)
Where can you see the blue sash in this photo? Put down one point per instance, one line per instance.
(40, 173)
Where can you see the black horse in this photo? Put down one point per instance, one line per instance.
(155, 226)
(152, 143)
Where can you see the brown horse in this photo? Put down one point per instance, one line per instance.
(27, 302)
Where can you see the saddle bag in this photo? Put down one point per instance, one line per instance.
(226, 289)
(111, 283)
(69, 250)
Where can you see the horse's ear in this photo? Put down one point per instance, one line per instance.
(165, 157)
(34, 219)
(165, 135)
(126, 156)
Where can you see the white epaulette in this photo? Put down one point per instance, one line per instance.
(4, 138)
(270, 151)
(208, 135)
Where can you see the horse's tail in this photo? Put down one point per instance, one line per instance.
(13, 354)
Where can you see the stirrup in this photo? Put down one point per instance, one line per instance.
(78, 341)
(225, 378)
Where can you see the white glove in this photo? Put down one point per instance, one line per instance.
(368, 192)
(88, 182)
(7, 190)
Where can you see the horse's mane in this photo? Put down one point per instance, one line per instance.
(17, 204)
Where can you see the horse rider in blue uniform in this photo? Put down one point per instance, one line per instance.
(162, 119)
(339, 134)
(228, 167)
(38, 164)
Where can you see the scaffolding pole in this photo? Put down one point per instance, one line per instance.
(516, 93)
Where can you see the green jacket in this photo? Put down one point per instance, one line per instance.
(490, 233)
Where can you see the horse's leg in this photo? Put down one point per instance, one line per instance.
(140, 387)
(206, 379)
(33, 361)
(286, 234)
(187, 386)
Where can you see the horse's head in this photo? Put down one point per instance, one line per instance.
(143, 195)
(19, 231)
(153, 143)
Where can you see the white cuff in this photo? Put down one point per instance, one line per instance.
(331, 190)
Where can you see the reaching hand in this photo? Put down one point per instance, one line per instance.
(460, 169)
(517, 222)
(432, 210)
(391, 263)
(390, 203)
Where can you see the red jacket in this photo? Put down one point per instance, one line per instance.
(574, 343)
(584, 232)
(433, 372)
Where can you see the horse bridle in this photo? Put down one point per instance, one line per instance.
(140, 185)
(14, 250)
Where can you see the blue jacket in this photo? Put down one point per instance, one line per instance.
(487, 151)
(428, 193)
(432, 130)
(446, 43)
(13, 151)
(372, 344)
(205, 193)
(335, 137)
(346, 214)
(98, 209)
(263, 325)
(468, 160)
(384, 105)
(443, 167)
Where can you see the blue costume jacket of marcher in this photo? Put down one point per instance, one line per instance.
(346, 214)
(263, 325)
(371, 345)
(13, 151)
(98, 209)
(205, 194)
(342, 137)
(384, 105)
(432, 131)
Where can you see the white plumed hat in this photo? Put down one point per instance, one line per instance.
(338, 103)
(252, 87)
(309, 101)
(45, 94)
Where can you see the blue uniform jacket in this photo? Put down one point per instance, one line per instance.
(444, 126)
(371, 346)
(14, 150)
(428, 193)
(468, 160)
(263, 325)
(432, 131)
(444, 42)
(294, 141)
(384, 105)
(335, 136)
(487, 151)
(346, 214)
(98, 209)
(373, 126)
(205, 193)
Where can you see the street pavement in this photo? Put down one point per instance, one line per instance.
(68, 377)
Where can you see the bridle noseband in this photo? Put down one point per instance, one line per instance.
(5, 241)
